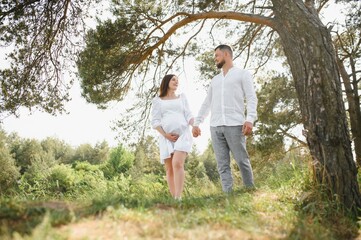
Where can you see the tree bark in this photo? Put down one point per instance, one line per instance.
(308, 47)
(354, 110)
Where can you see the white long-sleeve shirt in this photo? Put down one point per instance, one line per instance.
(226, 99)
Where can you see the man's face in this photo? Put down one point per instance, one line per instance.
(219, 58)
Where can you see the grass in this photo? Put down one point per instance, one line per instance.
(285, 205)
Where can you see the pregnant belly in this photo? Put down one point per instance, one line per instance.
(176, 124)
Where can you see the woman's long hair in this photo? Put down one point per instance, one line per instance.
(164, 85)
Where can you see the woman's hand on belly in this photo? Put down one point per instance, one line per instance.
(172, 136)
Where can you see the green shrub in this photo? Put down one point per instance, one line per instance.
(94, 155)
(149, 187)
(120, 161)
(210, 166)
(61, 179)
(34, 181)
(33, 186)
(58, 149)
(9, 172)
(85, 166)
(53, 183)
(90, 180)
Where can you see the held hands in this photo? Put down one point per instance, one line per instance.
(247, 128)
(171, 136)
(196, 131)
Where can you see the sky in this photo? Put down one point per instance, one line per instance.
(84, 123)
(87, 124)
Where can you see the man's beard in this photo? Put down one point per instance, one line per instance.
(220, 65)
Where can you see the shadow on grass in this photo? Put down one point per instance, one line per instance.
(23, 217)
(316, 219)
(321, 219)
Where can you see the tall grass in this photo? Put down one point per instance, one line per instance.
(285, 205)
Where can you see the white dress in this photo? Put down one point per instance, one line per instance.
(173, 116)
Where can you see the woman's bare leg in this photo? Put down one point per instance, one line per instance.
(170, 175)
(178, 171)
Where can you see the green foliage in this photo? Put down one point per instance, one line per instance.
(33, 181)
(291, 171)
(208, 4)
(116, 192)
(119, 50)
(150, 186)
(64, 181)
(285, 194)
(120, 161)
(86, 152)
(42, 37)
(42, 231)
(9, 171)
(90, 180)
(29, 152)
(112, 49)
(40, 219)
(315, 208)
(83, 152)
(85, 167)
(61, 179)
(146, 158)
(61, 151)
(278, 114)
(195, 170)
(33, 186)
(101, 152)
(210, 163)
(207, 68)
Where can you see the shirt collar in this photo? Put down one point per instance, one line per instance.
(229, 70)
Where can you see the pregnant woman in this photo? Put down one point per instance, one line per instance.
(171, 117)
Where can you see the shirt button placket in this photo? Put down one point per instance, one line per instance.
(222, 101)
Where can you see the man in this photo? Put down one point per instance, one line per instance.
(225, 99)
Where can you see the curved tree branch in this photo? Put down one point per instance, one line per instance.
(209, 15)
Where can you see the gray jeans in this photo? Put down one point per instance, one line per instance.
(224, 140)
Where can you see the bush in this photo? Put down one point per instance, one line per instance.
(210, 166)
(85, 166)
(120, 161)
(61, 179)
(90, 179)
(9, 171)
(150, 185)
(33, 186)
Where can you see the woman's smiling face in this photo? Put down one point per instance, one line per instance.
(173, 83)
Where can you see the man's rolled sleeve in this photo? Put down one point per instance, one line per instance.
(205, 108)
(251, 98)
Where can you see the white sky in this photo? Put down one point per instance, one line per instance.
(87, 124)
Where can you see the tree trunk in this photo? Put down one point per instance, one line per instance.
(353, 106)
(308, 47)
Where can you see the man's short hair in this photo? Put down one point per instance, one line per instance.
(224, 47)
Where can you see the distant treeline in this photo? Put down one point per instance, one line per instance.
(51, 168)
